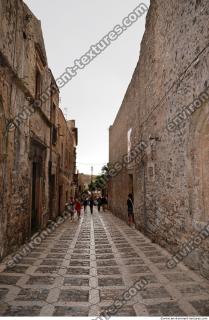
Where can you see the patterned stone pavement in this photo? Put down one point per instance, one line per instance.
(84, 265)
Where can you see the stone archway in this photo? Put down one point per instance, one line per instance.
(2, 176)
(198, 167)
(2, 126)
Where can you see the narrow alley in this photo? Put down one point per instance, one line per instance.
(84, 266)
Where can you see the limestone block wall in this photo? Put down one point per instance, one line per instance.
(21, 46)
(170, 180)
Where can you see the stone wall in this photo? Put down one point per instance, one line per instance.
(14, 144)
(28, 158)
(169, 177)
(11, 183)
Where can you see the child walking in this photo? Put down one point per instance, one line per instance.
(78, 208)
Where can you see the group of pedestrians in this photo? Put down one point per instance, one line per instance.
(100, 202)
(75, 205)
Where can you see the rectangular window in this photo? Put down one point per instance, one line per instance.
(53, 118)
(131, 184)
(62, 153)
(38, 84)
(54, 135)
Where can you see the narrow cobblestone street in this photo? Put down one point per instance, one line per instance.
(83, 266)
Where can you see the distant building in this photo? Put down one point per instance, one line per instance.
(83, 181)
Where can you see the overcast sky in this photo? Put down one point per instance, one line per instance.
(94, 96)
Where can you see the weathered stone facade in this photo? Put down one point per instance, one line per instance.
(67, 165)
(169, 179)
(29, 132)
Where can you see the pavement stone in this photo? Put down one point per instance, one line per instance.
(86, 265)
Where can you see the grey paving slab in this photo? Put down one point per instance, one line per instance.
(71, 311)
(3, 292)
(17, 269)
(78, 271)
(22, 311)
(10, 280)
(74, 295)
(108, 271)
(76, 282)
(110, 282)
(165, 309)
(32, 295)
(48, 270)
(202, 306)
(41, 280)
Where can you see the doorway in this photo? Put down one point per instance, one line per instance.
(35, 216)
(52, 197)
(131, 184)
(60, 199)
(37, 156)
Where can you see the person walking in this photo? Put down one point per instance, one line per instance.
(99, 203)
(104, 203)
(72, 207)
(78, 208)
(85, 204)
(130, 205)
(91, 204)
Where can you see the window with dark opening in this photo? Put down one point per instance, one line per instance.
(54, 128)
(38, 84)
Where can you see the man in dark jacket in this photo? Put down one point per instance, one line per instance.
(91, 204)
(99, 203)
(104, 203)
(130, 205)
(85, 204)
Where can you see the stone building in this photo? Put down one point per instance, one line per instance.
(29, 129)
(54, 163)
(67, 164)
(166, 109)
